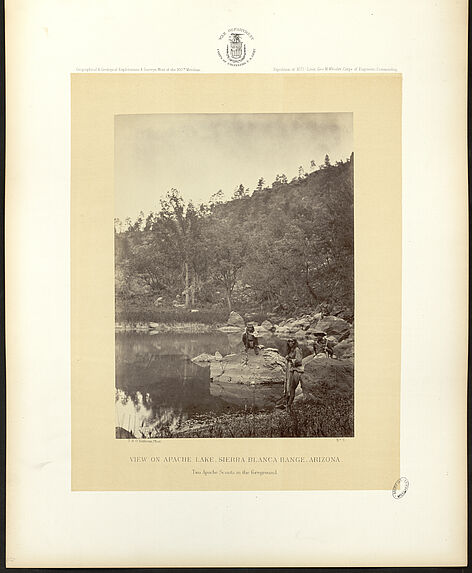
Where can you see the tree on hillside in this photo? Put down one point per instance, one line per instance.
(312, 165)
(228, 253)
(139, 223)
(327, 162)
(330, 271)
(240, 192)
(149, 222)
(217, 198)
(181, 225)
(260, 184)
(150, 260)
(280, 180)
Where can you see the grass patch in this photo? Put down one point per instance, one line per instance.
(169, 316)
(305, 420)
(323, 418)
(140, 309)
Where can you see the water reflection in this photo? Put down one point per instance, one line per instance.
(157, 385)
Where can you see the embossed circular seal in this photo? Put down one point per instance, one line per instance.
(400, 487)
(236, 46)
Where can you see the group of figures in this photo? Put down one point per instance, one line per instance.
(294, 358)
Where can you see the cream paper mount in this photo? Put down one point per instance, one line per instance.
(368, 461)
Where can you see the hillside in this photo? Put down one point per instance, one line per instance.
(284, 248)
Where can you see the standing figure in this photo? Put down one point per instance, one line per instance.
(319, 343)
(294, 369)
(324, 345)
(329, 348)
(250, 340)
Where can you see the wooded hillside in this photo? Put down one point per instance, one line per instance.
(284, 248)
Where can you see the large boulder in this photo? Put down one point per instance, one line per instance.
(324, 376)
(300, 334)
(248, 379)
(282, 329)
(344, 349)
(267, 325)
(293, 325)
(348, 335)
(203, 358)
(236, 320)
(332, 325)
(303, 322)
(121, 433)
(248, 368)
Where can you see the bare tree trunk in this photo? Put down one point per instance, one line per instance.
(193, 290)
(187, 293)
(228, 299)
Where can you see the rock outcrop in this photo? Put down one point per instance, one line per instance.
(204, 359)
(267, 325)
(121, 433)
(236, 320)
(313, 323)
(248, 368)
(333, 325)
(345, 349)
(300, 334)
(324, 374)
(246, 380)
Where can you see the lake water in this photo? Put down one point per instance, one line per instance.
(156, 382)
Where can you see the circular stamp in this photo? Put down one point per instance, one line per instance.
(400, 487)
(236, 46)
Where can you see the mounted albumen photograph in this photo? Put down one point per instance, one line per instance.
(234, 275)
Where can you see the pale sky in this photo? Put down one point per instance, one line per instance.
(199, 154)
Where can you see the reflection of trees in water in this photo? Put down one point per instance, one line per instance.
(157, 383)
(137, 346)
(130, 346)
(132, 411)
(159, 368)
(137, 414)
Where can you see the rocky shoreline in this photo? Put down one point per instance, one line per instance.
(303, 328)
(155, 327)
(251, 380)
(255, 383)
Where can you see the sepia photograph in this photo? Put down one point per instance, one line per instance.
(234, 275)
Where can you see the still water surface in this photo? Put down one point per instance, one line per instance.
(157, 382)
